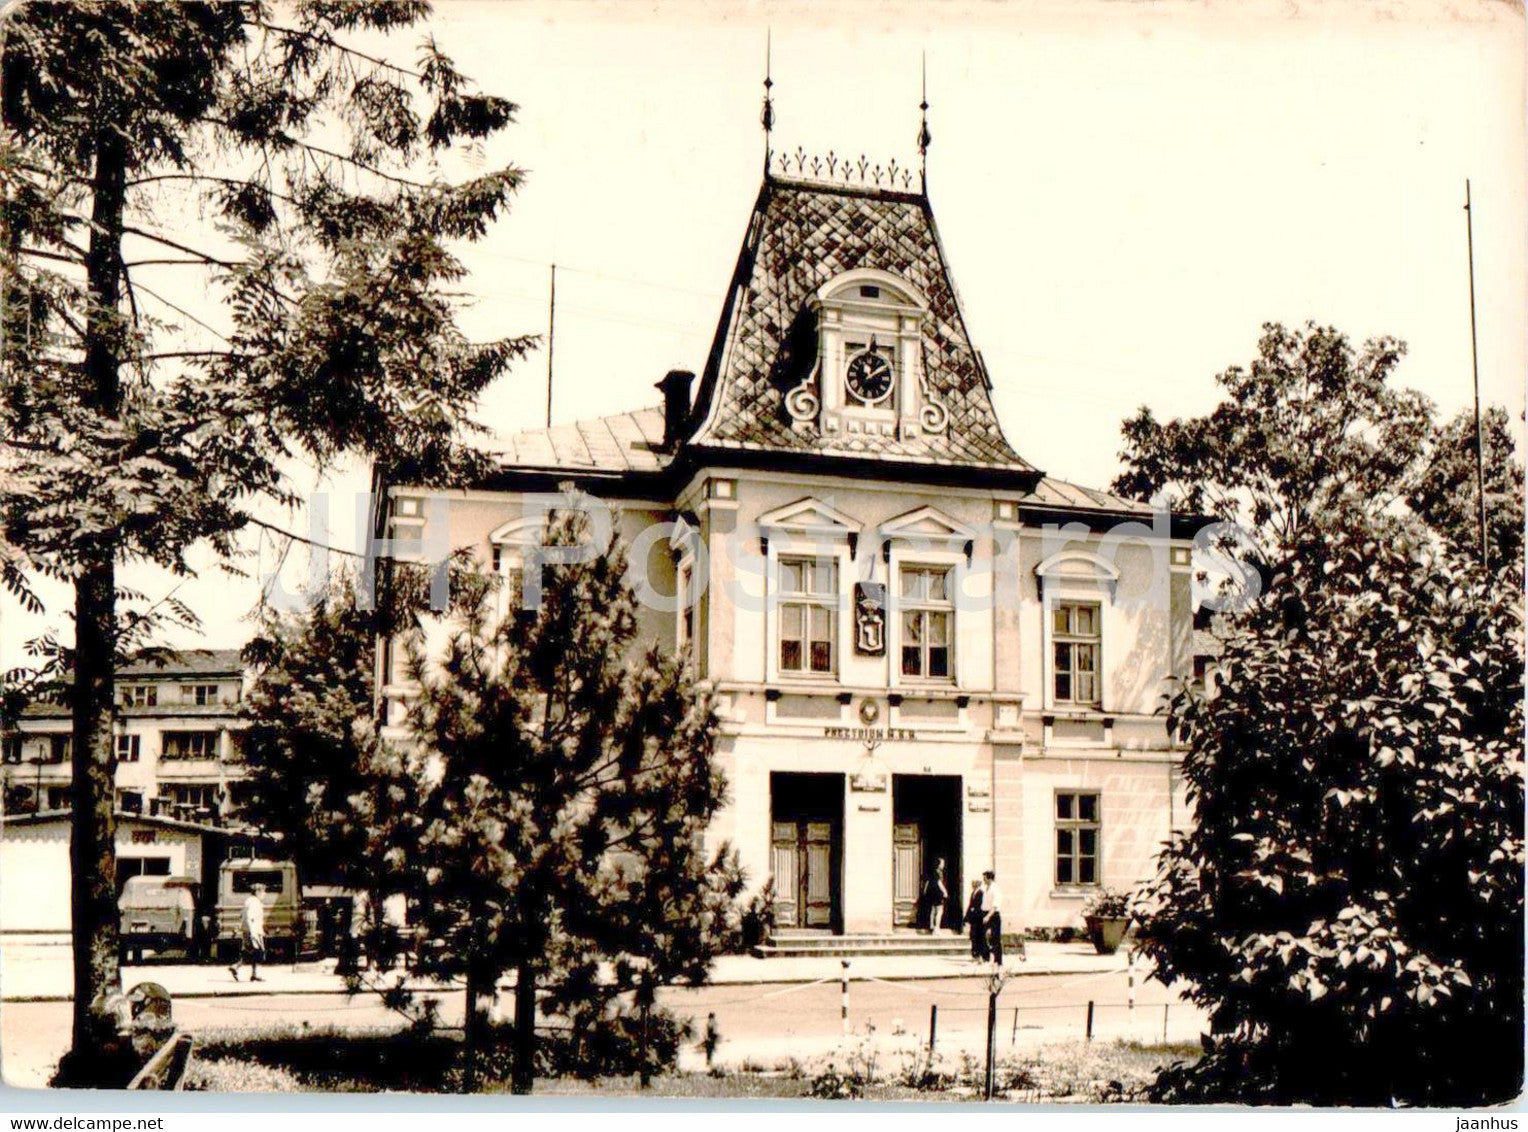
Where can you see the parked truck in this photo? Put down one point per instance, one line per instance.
(157, 914)
(287, 928)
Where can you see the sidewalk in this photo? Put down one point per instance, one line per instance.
(1043, 959)
(40, 972)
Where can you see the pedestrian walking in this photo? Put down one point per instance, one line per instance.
(976, 923)
(251, 935)
(992, 913)
(936, 894)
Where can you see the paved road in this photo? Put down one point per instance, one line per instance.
(763, 1024)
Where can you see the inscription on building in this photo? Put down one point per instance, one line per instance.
(871, 734)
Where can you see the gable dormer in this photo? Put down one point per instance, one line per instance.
(868, 377)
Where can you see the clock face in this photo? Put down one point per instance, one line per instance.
(869, 377)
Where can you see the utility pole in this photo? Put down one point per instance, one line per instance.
(551, 343)
(1480, 456)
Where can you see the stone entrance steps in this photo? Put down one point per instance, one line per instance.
(800, 943)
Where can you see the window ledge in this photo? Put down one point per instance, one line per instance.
(798, 684)
(1075, 892)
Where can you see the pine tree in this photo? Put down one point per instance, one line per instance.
(257, 154)
(566, 781)
(311, 730)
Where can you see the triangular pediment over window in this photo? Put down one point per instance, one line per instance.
(811, 516)
(926, 523)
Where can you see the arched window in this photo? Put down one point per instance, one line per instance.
(1076, 594)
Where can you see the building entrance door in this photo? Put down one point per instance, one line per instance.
(926, 833)
(805, 848)
(906, 871)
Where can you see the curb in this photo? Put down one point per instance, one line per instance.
(762, 979)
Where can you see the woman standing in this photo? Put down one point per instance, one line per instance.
(936, 895)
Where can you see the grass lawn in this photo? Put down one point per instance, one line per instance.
(290, 1060)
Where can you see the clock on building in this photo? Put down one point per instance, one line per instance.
(869, 376)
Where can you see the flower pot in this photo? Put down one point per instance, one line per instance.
(1107, 932)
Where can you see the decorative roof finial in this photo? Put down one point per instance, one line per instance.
(924, 137)
(768, 117)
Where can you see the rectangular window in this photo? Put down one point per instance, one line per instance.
(509, 568)
(1078, 830)
(60, 748)
(927, 609)
(128, 748)
(239, 796)
(1075, 641)
(141, 695)
(10, 749)
(58, 798)
(199, 694)
(128, 867)
(244, 880)
(197, 795)
(808, 615)
(190, 745)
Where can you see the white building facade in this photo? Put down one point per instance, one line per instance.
(177, 742)
(924, 649)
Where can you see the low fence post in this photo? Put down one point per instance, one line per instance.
(1165, 1007)
(1130, 984)
(1090, 1019)
(991, 1038)
(1013, 1038)
(933, 1025)
(843, 983)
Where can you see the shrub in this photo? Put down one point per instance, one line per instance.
(1349, 904)
(758, 918)
(330, 1060)
(923, 1071)
(235, 1075)
(609, 1043)
(1049, 935)
(1108, 904)
(830, 1083)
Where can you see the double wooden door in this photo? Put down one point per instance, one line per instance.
(803, 869)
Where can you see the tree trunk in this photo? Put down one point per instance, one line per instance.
(96, 1058)
(472, 1028)
(645, 1003)
(523, 1079)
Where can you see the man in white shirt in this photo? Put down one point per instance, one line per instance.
(252, 941)
(992, 911)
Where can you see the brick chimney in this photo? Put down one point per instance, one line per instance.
(676, 406)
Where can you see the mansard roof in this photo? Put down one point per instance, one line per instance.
(800, 236)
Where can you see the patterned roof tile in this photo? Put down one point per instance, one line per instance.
(802, 236)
